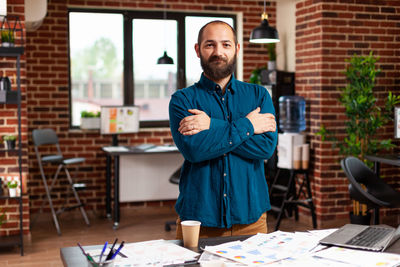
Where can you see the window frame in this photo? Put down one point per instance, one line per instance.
(128, 77)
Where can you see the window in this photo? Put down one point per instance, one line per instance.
(113, 60)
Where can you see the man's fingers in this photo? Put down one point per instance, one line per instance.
(195, 111)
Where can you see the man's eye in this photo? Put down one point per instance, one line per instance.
(209, 45)
(227, 45)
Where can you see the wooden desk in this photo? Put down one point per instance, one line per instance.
(110, 153)
(73, 257)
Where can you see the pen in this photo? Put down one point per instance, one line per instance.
(119, 248)
(91, 259)
(111, 250)
(102, 252)
(83, 251)
(181, 264)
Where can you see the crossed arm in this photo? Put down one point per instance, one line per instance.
(200, 137)
(200, 121)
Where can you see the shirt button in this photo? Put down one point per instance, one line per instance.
(224, 195)
(248, 133)
(230, 142)
(227, 117)
(223, 99)
(224, 174)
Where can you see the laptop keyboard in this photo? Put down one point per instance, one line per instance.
(369, 237)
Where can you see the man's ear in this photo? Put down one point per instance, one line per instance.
(197, 48)
(237, 49)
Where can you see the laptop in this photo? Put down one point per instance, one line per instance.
(374, 238)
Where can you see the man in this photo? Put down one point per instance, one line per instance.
(225, 129)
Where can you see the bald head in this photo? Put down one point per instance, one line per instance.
(200, 36)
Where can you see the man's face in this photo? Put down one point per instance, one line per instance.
(217, 51)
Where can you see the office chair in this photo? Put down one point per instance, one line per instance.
(376, 194)
(174, 179)
(48, 137)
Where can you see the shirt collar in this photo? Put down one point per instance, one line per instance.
(210, 86)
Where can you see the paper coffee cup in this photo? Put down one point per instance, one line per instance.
(190, 231)
(305, 156)
(297, 157)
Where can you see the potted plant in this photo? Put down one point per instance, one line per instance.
(90, 120)
(9, 141)
(7, 38)
(272, 56)
(364, 116)
(12, 188)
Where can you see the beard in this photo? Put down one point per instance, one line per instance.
(218, 67)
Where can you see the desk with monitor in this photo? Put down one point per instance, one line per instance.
(140, 175)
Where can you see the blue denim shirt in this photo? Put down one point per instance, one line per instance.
(222, 180)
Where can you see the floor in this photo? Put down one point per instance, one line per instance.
(42, 247)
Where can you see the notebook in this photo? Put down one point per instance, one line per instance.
(375, 238)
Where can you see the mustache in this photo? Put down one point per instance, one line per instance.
(217, 58)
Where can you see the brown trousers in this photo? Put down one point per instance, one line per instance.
(260, 226)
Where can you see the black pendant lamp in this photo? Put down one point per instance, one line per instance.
(264, 33)
(165, 59)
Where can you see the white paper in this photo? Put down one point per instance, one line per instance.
(156, 253)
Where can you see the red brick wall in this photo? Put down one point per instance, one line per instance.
(9, 126)
(11, 209)
(48, 104)
(327, 32)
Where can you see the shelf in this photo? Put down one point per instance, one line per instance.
(8, 97)
(11, 51)
(8, 197)
(7, 241)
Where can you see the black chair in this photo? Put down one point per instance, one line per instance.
(376, 194)
(48, 138)
(174, 179)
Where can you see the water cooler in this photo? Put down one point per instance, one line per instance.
(278, 83)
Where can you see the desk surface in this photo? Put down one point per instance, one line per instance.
(387, 159)
(73, 257)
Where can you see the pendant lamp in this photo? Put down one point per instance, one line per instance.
(264, 33)
(165, 59)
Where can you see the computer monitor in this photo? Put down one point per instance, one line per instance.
(119, 120)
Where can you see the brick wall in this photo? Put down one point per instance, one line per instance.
(9, 126)
(11, 209)
(327, 32)
(47, 71)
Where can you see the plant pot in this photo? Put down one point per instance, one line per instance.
(90, 123)
(360, 219)
(12, 192)
(9, 144)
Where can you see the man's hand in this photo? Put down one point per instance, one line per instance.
(194, 124)
(262, 122)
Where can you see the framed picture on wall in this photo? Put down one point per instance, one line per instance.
(397, 122)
